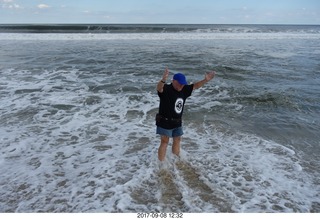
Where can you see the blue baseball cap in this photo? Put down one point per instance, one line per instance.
(180, 78)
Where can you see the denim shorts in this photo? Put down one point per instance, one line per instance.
(176, 132)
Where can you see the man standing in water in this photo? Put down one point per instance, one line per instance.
(172, 100)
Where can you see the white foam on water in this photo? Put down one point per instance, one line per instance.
(65, 148)
(158, 36)
(258, 175)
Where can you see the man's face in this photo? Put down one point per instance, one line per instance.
(177, 86)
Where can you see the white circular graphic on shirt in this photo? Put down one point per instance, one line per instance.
(178, 106)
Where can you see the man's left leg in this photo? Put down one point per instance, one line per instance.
(176, 145)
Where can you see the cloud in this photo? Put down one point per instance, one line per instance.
(9, 4)
(43, 6)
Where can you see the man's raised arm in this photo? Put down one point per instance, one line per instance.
(209, 76)
(162, 82)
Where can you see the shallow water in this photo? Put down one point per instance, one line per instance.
(77, 125)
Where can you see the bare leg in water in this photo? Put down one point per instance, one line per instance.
(164, 144)
(163, 147)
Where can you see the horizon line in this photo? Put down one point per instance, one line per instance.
(73, 23)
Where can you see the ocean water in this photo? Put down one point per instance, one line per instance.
(77, 109)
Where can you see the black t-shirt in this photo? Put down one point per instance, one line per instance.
(172, 104)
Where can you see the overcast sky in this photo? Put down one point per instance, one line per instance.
(161, 11)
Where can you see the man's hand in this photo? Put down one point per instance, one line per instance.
(163, 81)
(165, 75)
(210, 75)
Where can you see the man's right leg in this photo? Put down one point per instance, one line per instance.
(163, 147)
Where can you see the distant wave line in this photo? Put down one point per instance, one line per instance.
(156, 36)
(156, 28)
